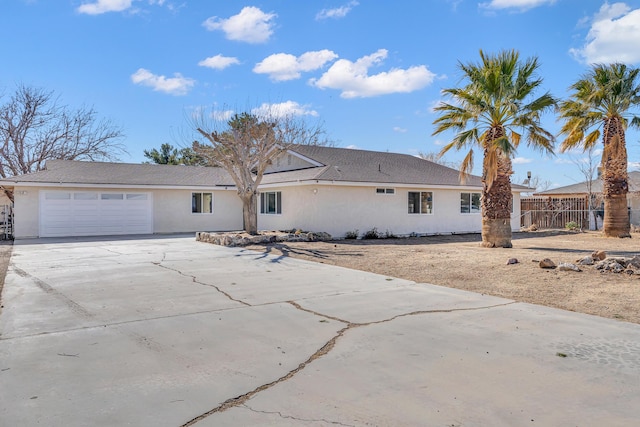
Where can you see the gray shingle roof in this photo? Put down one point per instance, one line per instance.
(343, 164)
(75, 172)
(338, 164)
(596, 187)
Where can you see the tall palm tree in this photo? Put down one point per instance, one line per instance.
(600, 104)
(495, 102)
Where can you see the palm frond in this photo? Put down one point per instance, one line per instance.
(466, 167)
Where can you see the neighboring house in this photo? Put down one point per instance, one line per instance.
(582, 190)
(335, 190)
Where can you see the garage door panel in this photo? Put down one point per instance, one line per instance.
(94, 213)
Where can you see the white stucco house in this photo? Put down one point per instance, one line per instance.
(335, 190)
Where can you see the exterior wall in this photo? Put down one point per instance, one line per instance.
(285, 162)
(26, 202)
(633, 199)
(341, 209)
(171, 210)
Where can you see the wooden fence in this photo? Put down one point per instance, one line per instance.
(554, 212)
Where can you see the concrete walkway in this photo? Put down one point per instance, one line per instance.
(167, 331)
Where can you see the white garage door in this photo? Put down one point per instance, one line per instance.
(91, 213)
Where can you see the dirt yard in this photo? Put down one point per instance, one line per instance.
(458, 261)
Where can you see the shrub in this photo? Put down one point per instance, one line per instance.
(371, 234)
(572, 225)
(389, 235)
(351, 235)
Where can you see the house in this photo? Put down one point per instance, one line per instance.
(336, 190)
(582, 190)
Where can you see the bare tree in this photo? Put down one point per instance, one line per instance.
(246, 145)
(437, 158)
(34, 128)
(535, 183)
(588, 167)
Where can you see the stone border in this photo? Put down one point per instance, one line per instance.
(234, 239)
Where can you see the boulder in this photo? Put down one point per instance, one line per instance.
(586, 261)
(512, 261)
(547, 263)
(567, 266)
(610, 265)
(634, 262)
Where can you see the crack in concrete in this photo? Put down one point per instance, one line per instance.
(48, 289)
(123, 322)
(291, 417)
(195, 280)
(240, 400)
(325, 349)
(413, 313)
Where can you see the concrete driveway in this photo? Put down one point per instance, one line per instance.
(166, 331)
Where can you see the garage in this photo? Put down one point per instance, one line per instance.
(93, 213)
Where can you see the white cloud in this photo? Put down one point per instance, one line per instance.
(99, 7)
(439, 142)
(521, 5)
(283, 109)
(177, 85)
(353, 80)
(352, 147)
(251, 25)
(614, 36)
(283, 66)
(563, 161)
(218, 62)
(633, 166)
(399, 129)
(336, 13)
(222, 115)
(521, 161)
(104, 6)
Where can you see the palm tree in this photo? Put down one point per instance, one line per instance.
(600, 104)
(485, 113)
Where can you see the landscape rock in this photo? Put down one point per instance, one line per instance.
(512, 261)
(634, 262)
(610, 265)
(599, 255)
(243, 239)
(586, 261)
(547, 263)
(567, 266)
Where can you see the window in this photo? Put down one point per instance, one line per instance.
(385, 191)
(57, 196)
(136, 196)
(202, 203)
(469, 203)
(85, 196)
(112, 196)
(271, 203)
(420, 202)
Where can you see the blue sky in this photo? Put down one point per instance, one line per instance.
(370, 70)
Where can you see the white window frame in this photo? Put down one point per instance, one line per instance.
(385, 191)
(429, 203)
(277, 209)
(194, 203)
(470, 205)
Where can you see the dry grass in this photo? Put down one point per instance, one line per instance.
(458, 261)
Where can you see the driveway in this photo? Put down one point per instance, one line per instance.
(167, 331)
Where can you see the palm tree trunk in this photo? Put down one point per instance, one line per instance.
(616, 221)
(616, 216)
(497, 201)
